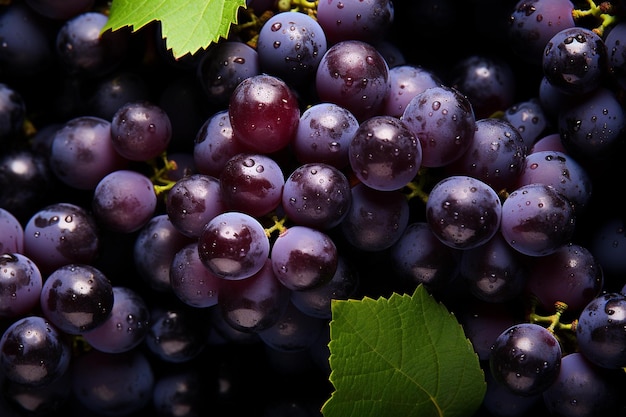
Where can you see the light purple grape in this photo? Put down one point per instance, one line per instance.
(324, 134)
(537, 219)
(20, 285)
(82, 152)
(530, 120)
(192, 282)
(316, 195)
(61, 234)
(304, 258)
(234, 245)
(192, 202)
(443, 120)
(11, 233)
(215, 144)
(405, 82)
(127, 325)
(354, 75)
(365, 20)
(124, 201)
(463, 212)
(384, 153)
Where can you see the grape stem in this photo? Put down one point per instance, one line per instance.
(602, 11)
(553, 322)
(279, 225)
(306, 6)
(416, 187)
(162, 184)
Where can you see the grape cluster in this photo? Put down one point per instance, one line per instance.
(173, 230)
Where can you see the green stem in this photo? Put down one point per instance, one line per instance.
(416, 187)
(602, 12)
(279, 225)
(162, 184)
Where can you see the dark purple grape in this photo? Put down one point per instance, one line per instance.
(82, 152)
(384, 153)
(574, 60)
(124, 201)
(405, 82)
(140, 130)
(20, 285)
(582, 389)
(499, 401)
(530, 120)
(182, 389)
(83, 51)
(33, 352)
(443, 120)
(155, 246)
(251, 183)
(61, 10)
(601, 331)
(304, 258)
(365, 20)
(376, 219)
(127, 325)
(215, 144)
(223, 67)
(608, 245)
(61, 234)
(489, 83)
(324, 134)
(293, 331)
(255, 303)
(192, 282)
(526, 359)
(495, 155)
(192, 201)
(534, 22)
(12, 113)
(494, 271)
(45, 400)
(562, 172)
(353, 75)
(616, 53)
(112, 384)
(176, 334)
(11, 233)
(234, 245)
(290, 46)
(463, 212)
(108, 95)
(77, 298)
(537, 219)
(264, 113)
(593, 126)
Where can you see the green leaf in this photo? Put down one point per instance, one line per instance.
(186, 25)
(403, 356)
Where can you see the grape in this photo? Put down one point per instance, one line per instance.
(61, 234)
(525, 358)
(351, 19)
(140, 130)
(112, 384)
(154, 248)
(537, 219)
(548, 142)
(176, 334)
(223, 67)
(11, 233)
(290, 46)
(608, 245)
(405, 82)
(45, 400)
(293, 331)
(353, 75)
(316, 195)
(533, 23)
(192, 202)
(581, 389)
(324, 134)
(181, 390)
(214, 144)
(251, 183)
(600, 331)
(12, 113)
(191, 281)
(20, 285)
(376, 219)
(570, 275)
(463, 212)
(264, 113)
(60, 9)
(384, 153)
(33, 352)
(77, 298)
(82, 152)
(233, 245)
(499, 401)
(124, 201)
(616, 53)
(443, 120)
(529, 118)
(83, 51)
(304, 258)
(114, 91)
(574, 60)
(496, 154)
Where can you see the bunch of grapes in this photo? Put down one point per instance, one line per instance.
(174, 230)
